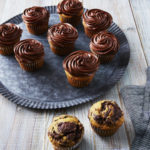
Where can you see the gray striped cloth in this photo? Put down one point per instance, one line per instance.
(137, 102)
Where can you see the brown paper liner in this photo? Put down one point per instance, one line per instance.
(73, 20)
(79, 82)
(37, 29)
(61, 51)
(8, 49)
(88, 32)
(104, 132)
(32, 66)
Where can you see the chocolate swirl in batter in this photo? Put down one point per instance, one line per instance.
(62, 34)
(104, 43)
(9, 33)
(109, 113)
(81, 63)
(69, 7)
(97, 19)
(35, 14)
(66, 132)
(28, 51)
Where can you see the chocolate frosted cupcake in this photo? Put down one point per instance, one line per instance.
(70, 11)
(65, 132)
(80, 67)
(105, 117)
(96, 20)
(9, 35)
(36, 19)
(30, 54)
(105, 45)
(61, 38)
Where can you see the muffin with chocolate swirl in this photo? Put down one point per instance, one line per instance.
(96, 20)
(70, 11)
(105, 117)
(80, 68)
(105, 45)
(36, 19)
(9, 35)
(65, 132)
(61, 38)
(30, 54)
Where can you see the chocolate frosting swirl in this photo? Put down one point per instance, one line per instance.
(81, 63)
(35, 14)
(104, 43)
(69, 7)
(62, 34)
(108, 113)
(9, 33)
(28, 51)
(66, 130)
(97, 19)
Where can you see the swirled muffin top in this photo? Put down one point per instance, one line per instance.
(28, 51)
(9, 33)
(65, 130)
(106, 114)
(104, 43)
(69, 7)
(81, 63)
(62, 34)
(35, 14)
(97, 19)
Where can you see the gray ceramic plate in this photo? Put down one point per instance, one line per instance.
(48, 88)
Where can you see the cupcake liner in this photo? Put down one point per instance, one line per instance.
(6, 50)
(68, 148)
(79, 82)
(31, 66)
(104, 132)
(61, 51)
(37, 29)
(73, 20)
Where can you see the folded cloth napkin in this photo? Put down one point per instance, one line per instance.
(137, 102)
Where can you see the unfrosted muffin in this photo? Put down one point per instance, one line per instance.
(70, 11)
(61, 38)
(96, 20)
(105, 117)
(80, 67)
(65, 132)
(9, 35)
(30, 54)
(105, 45)
(36, 19)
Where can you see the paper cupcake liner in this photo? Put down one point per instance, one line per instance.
(73, 20)
(37, 29)
(104, 132)
(6, 50)
(61, 51)
(79, 82)
(32, 66)
(68, 148)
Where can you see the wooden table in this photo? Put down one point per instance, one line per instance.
(26, 129)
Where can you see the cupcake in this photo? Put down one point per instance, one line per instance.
(65, 132)
(105, 45)
(36, 20)
(30, 54)
(70, 11)
(61, 38)
(105, 117)
(9, 35)
(96, 20)
(80, 68)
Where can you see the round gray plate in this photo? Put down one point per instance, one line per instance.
(48, 88)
